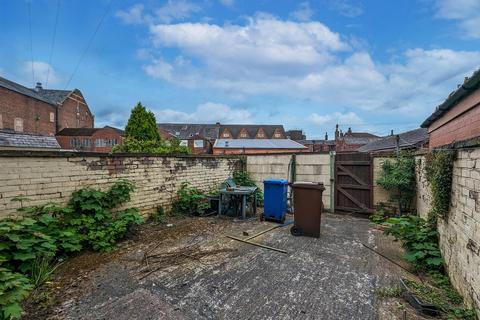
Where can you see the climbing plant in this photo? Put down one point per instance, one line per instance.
(398, 178)
(439, 173)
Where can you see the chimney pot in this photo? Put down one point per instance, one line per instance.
(391, 132)
(326, 135)
(349, 130)
(38, 86)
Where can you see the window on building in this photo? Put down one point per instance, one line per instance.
(18, 124)
(198, 143)
(226, 135)
(243, 135)
(261, 135)
(52, 117)
(75, 143)
(184, 143)
(277, 135)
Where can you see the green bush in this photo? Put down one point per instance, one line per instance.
(132, 145)
(398, 177)
(242, 177)
(190, 200)
(32, 241)
(142, 125)
(420, 240)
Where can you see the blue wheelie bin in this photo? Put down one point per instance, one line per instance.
(275, 199)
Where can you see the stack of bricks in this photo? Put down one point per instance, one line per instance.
(52, 178)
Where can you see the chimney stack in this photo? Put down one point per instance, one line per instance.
(349, 130)
(38, 87)
(326, 135)
(391, 132)
(217, 124)
(337, 135)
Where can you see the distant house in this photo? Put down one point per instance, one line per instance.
(90, 139)
(200, 138)
(457, 119)
(22, 141)
(41, 111)
(295, 135)
(409, 140)
(318, 145)
(351, 141)
(257, 146)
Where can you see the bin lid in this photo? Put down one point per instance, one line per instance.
(275, 181)
(308, 185)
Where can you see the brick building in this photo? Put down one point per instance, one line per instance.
(257, 146)
(90, 139)
(200, 138)
(40, 111)
(351, 141)
(457, 119)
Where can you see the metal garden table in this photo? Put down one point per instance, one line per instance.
(242, 192)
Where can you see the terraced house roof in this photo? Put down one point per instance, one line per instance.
(28, 141)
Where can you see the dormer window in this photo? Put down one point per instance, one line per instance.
(277, 135)
(226, 135)
(244, 135)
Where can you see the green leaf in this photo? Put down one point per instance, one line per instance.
(23, 256)
(12, 311)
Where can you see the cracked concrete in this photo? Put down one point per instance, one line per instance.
(333, 277)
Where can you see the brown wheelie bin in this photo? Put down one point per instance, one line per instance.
(307, 206)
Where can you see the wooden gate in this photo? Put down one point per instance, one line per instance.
(353, 183)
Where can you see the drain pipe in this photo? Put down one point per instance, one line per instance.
(332, 181)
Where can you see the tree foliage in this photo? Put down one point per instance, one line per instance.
(142, 125)
(398, 177)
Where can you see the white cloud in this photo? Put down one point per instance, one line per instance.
(41, 70)
(306, 60)
(134, 15)
(466, 12)
(303, 13)
(329, 120)
(176, 10)
(227, 3)
(172, 10)
(348, 8)
(209, 112)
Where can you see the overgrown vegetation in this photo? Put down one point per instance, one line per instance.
(190, 200)
(420, 240)
(242, 177)
(379, 214)
(398, 178)
(31, 244)
(141, 135)
(443, 296)
(439, 173)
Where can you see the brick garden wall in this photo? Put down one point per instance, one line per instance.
(460, 232)
(310, 167)
(43, 177)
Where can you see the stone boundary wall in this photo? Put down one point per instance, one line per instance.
(313, 167)
(460, 232)
(46, 177)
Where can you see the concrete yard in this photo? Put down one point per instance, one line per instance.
(204, 275)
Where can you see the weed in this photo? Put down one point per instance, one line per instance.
(190, 200)
(389, 292)
(42, 269)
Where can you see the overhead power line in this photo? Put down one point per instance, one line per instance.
(89, 43)
(53, 43)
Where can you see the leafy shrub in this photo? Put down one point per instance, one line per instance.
(243, 178)
(420, 240)
(30, 242)
(132, 145)
(439, 172)
(379, 215)
(190, 200)
(14, 287)
(92, 219)
(398, 177)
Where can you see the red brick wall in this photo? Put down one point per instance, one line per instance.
(104, 133)
(35, 113)
(74, 113)
(256, 151)
(460, 123)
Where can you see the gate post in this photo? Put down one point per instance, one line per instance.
(332, 181)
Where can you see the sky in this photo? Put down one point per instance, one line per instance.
(372, 65)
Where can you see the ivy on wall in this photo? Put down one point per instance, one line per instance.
(439, 173)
